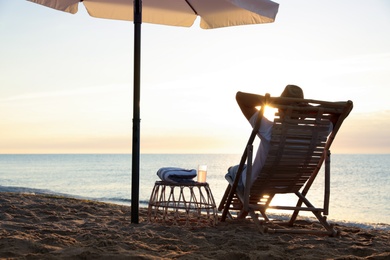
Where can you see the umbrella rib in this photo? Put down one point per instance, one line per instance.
(191, 7)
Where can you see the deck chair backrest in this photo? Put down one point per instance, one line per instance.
(302, 132)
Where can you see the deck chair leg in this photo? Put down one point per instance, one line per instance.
(257, 221)
(263, 211)
(231, 190)
(326, 158)
(264, 215)
(322, 219)
(223, 200)
(225, 203)
(229, 215)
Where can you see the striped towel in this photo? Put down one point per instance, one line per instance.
(175, 174)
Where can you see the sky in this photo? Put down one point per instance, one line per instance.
(66, 80)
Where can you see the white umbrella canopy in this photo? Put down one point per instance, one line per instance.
(213, 14)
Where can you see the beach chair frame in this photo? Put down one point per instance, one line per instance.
(299, 146)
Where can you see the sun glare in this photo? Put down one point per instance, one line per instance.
(269, 113)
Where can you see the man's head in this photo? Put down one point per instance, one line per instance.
(292, 91)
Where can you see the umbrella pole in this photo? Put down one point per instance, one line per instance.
(136, 113)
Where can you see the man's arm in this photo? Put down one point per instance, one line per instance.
(248, 103)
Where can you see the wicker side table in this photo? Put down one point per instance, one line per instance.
(185, 204)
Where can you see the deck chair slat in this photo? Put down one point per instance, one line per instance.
(292, 159)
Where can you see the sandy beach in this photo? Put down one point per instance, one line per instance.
(48, 227)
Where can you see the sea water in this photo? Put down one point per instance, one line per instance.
(360, 184)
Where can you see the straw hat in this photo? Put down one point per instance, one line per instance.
(292, 91)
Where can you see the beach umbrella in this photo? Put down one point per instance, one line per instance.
(213, 14)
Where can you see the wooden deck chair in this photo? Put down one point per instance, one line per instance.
(299, 146)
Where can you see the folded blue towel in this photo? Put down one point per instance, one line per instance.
(175, 174)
